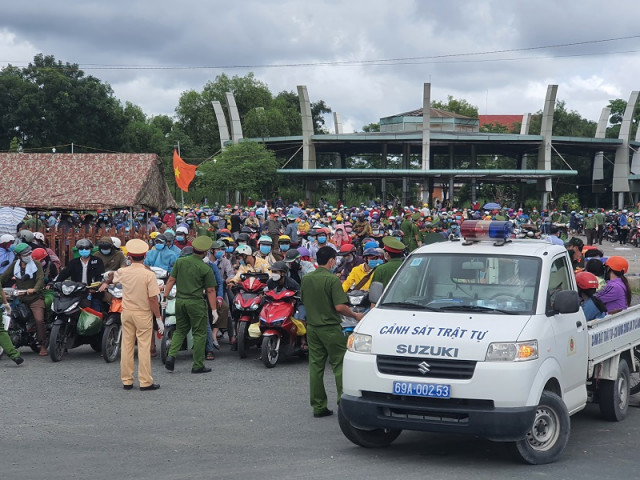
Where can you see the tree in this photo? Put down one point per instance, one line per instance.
(318, 109)
(618, 106)
(246, 166)
(461, 107)
(372, 127)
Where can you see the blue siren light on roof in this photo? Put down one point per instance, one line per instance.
(476, 230)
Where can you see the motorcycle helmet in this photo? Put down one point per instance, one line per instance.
(26, 236)
(39, 254)
(280, 266)
(84, 244)
(39, 236)
(243, 237)
(617, 264)
(304, 252)
(116, 242)
(170, 235)
(586, 280)
(265, 240)
(22, 249)
(346, 249)
(292, 255)
(284, 239)
(181, 229)
(243, 250)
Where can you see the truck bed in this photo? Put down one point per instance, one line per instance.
(613, 334)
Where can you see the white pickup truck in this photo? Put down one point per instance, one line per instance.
(485, 338)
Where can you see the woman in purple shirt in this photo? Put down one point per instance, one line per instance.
(616, 294)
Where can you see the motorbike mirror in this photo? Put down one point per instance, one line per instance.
(375, 291)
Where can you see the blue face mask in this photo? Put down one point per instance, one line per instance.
(219, 254)
(229, 249)
(84, 253)
(203, 220)
(373, 263)
(11, 247)
(179, 238)
(265, 249)
(399, 238)
(241, 262)
(284, 247)
(159, 246)
(322, 239)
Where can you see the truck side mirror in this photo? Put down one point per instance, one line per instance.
(375, 292)
(566, 301)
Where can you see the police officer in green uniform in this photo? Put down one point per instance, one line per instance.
(5, 340)
(600, 218)
(590, 228)
(191, 276)
(393, 251)
(410, 238)
(325, 301)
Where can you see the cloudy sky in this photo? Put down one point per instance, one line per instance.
(365, 58)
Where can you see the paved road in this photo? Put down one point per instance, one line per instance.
(73, 420)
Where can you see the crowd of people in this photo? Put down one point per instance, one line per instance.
(301, 247)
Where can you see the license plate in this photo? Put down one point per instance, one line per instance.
(431, 390)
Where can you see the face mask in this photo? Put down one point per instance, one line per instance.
(333, 269)
(284, 247)
(373, 263)
(589, 215)
(159, 246)
(84, 253)
(229, 249)
(241, 262)
(399, 238)
(275, 277)
(26, 259)
(348, 229)
(189, 221)
(140, 218)
(105, 251)
(179, 238)
(265, 249)
(219, 254)
(312, 239)
(203, 220)
(322, 239)
(12, 247)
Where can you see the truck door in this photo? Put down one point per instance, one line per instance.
(570, 334)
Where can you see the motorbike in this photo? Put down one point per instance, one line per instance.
(635, 236)
(611, 232)
(246, 308)
(112, 335)
(279, 331)
(20, 324)
(74, 325)
(359, 303)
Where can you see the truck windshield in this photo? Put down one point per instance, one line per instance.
(503, 284)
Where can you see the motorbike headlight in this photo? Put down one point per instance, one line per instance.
(68, 289)
(356, 299)
(512, 352)
(237, 305)
(359, 343)
(72, 307)
(255, 306)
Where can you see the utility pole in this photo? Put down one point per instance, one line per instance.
(181, 191)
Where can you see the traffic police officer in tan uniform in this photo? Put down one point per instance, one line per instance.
(139, 305)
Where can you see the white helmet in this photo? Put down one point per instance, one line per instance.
(116, 242)
(39, 236)
(243, 250)
(182, 229)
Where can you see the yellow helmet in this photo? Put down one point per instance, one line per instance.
(153, 235)
(284, 238)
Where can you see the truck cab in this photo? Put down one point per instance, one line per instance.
(480, 337)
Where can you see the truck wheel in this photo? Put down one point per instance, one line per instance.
(634, 378)
(377, 438)
(549, 433)
(614, 394)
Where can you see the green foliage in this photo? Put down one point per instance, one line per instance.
(618, 106)
(246, 166)
(461, 107)
(318, 109)
(567, 123)
(372, 127)
(572, 200)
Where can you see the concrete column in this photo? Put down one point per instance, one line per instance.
(222, 123)
(236, 126)
(308, 149)
(474, 181)
(405, 165)
(451, 157)
(426, 137)
(598, 162)
(337, 123)
(383, 182)
(544, 153)
(621, 166)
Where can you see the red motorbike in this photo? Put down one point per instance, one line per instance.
(246, 308)
(279, 331)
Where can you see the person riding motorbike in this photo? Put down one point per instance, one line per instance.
(361, 275)
(111, 257)
(266, 252)
(279, 278)
(160, 256)
(171, 236)
(29, 276)
(362, 227)
(85, 269)
(48, 267)
(181, 239)
(7, 256)
(248, 263)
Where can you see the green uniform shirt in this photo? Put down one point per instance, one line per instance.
(599, 218)
(192, 276)
(431, 237)
(410, 231)
(25, 283)
(589, 223)
(320, 291)
(384, 272)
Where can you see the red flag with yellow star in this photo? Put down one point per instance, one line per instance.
(184, 172)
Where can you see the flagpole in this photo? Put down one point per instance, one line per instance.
(181, 191)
